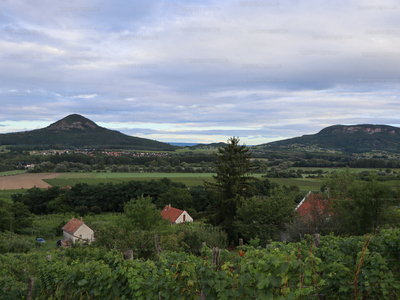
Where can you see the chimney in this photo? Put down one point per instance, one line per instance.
(169, 206)
(81, 219)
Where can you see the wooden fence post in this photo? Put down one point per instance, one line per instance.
(316, 239)
(66, 292)
(157, 245)
(215, 256)
(11, 215)
(30, 288)
(268, 244)
(202, 295)
(159, 249)
(128, 254)
(240, 242)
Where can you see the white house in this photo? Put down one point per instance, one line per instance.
(175, 216)
(77, 230)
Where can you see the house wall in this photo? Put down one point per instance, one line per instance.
(67, 236)
(180, 218)
(85, 231)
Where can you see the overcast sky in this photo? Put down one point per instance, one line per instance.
(200, 71)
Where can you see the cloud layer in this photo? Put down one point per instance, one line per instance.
(200, 71)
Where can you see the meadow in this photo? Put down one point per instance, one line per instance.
(5, 195)
(13, 172)
(330, 170)
(70, 179)
(190, 179)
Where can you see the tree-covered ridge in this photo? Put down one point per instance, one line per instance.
(76, 131)
(354, 138)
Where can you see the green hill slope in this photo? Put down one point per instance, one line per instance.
(354, 138)
(76, 131)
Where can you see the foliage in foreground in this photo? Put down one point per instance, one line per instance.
(341, 268)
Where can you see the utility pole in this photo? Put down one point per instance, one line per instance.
(11, 214)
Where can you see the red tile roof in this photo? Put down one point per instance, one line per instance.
(312, 202)
(72, 225)
(170, 213)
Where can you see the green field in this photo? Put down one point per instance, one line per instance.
(197, 151)
(190, 179)
(329, 170)
(304, 184)
(14, 172)
(5, 195)
(70, 179)
(3, 148)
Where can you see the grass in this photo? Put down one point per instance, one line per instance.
(190, 179)
(5, 195)
(14, 172)
(357, 170)
(304, 184)
(197, 151)
(3, 147)
(393, 184)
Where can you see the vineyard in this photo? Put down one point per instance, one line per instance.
(363, 267)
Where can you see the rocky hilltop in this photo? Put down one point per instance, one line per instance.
(73, 122)
(352, 138)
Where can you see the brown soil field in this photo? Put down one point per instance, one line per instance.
(26, 181)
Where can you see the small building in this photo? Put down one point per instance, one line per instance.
(175, 216)
(314, 205)
(77, 230)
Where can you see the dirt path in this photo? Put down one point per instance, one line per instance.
(26, 181)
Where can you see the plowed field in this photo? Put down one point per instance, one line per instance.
(26, 181)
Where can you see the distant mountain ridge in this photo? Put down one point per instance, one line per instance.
(206, 146)
(76, 131)
(352, 138)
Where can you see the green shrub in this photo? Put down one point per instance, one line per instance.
(19, 246)
(195, 235)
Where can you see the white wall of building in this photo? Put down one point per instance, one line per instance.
(67, 236)
(83, 232)
(187, 218)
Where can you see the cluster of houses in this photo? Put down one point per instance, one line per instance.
(91, 152)
(50, 152)
(77, 230)
(136, 154)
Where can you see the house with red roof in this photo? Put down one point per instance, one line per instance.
(313, 205)
(175, 216)
(77, 230)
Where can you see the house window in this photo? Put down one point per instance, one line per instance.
(80, 236)
(184, 218)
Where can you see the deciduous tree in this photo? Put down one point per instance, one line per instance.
(142, 214)
(264, 217)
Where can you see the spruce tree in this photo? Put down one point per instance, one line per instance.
(232, 183)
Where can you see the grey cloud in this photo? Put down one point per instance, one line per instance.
(265, 65)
